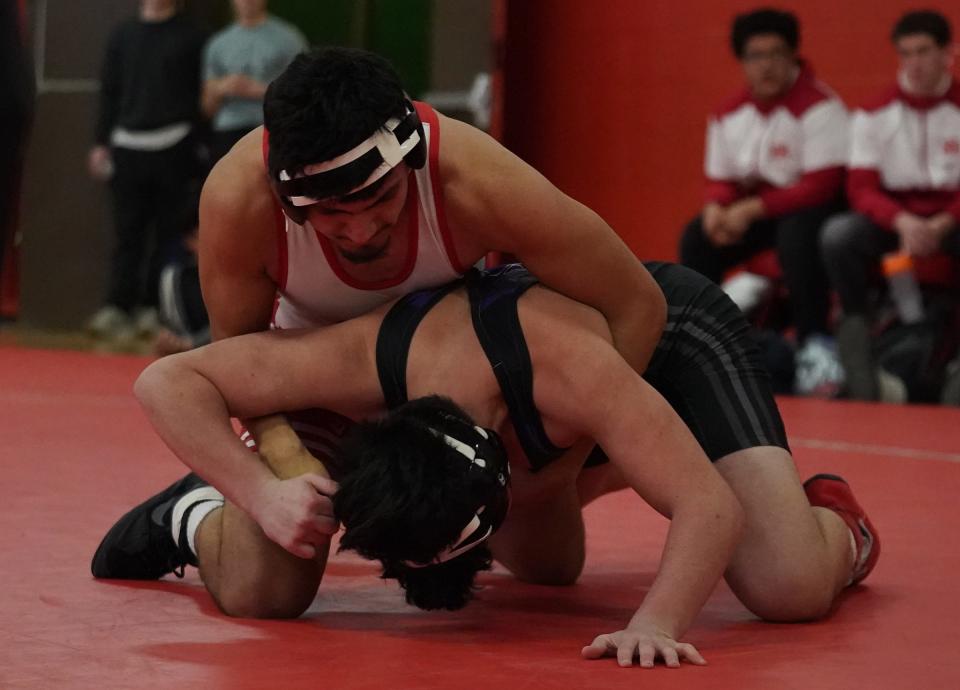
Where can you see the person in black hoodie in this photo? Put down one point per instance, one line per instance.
(145, 146)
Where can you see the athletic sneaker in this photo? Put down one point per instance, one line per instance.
(855, 345)
(833, 492)
(147, 321)
(747, 290)
(950, 394)
(891, 388)
(108, 322)
(140, 546)
(819, 373)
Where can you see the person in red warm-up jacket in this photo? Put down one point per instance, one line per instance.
(903, 183)
(774, 166)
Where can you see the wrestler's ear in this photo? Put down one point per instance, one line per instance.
(298, 214)
(417, 158)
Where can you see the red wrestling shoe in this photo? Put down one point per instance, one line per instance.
(833, 492)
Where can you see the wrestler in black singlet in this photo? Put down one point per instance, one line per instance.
(705, 366)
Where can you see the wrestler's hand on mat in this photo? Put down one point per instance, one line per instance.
(645, 641)
(297, 513)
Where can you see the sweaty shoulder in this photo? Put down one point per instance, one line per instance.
(468, 155)
(570, 348)
(458, 141)
(238, 213)
(494, 200)
(471, 163)
(239, 242)
(239, 179)
(559, 325)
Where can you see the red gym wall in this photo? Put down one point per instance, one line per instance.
(609, 98)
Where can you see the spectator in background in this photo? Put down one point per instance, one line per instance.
(903, 183)
(145, 146)
(238, 64)
(774, 168)
(183, 316)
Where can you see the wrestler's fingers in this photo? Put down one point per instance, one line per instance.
(669, 656)
(303, 550)
(325, 526)
(601, 646)
(647, 654)
(323, 485)
(690, 653)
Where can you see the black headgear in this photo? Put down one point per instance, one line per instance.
(485, 453)
(397, 140)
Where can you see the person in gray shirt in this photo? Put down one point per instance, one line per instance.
(238, 64)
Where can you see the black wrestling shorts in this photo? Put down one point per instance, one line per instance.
(708, 368)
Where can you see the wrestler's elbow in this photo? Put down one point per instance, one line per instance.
(154, 384)
(712, 504)
(649, 311)
(725, 516)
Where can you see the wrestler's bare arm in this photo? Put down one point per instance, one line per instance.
(582, 384)
(191, 397)
(497, 200)
(238, 240)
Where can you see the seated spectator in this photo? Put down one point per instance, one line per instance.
(238, 64)
(774, 167)
(183, 316)
(903, 185)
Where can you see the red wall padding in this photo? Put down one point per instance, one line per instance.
(609, 98)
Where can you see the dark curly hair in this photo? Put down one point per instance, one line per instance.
(927, 22)
(405, 495)
(327, 101)
(764, 21)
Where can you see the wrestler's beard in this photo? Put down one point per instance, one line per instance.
(366, 255)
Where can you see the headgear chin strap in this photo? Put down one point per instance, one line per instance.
(398, 139)
(487, 454)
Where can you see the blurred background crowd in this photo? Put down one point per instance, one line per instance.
(806, 157)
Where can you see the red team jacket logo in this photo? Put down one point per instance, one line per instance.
(951, 147)
(779, 151)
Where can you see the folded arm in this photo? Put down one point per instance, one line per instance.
(813, 188)
(191, 397)
(867, 196)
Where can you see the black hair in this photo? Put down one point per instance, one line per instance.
(927, 22)
(405, 495)
(364, 194)
(327, 101)
(764, 21)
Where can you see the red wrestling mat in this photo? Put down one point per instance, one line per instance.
(78, 453)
